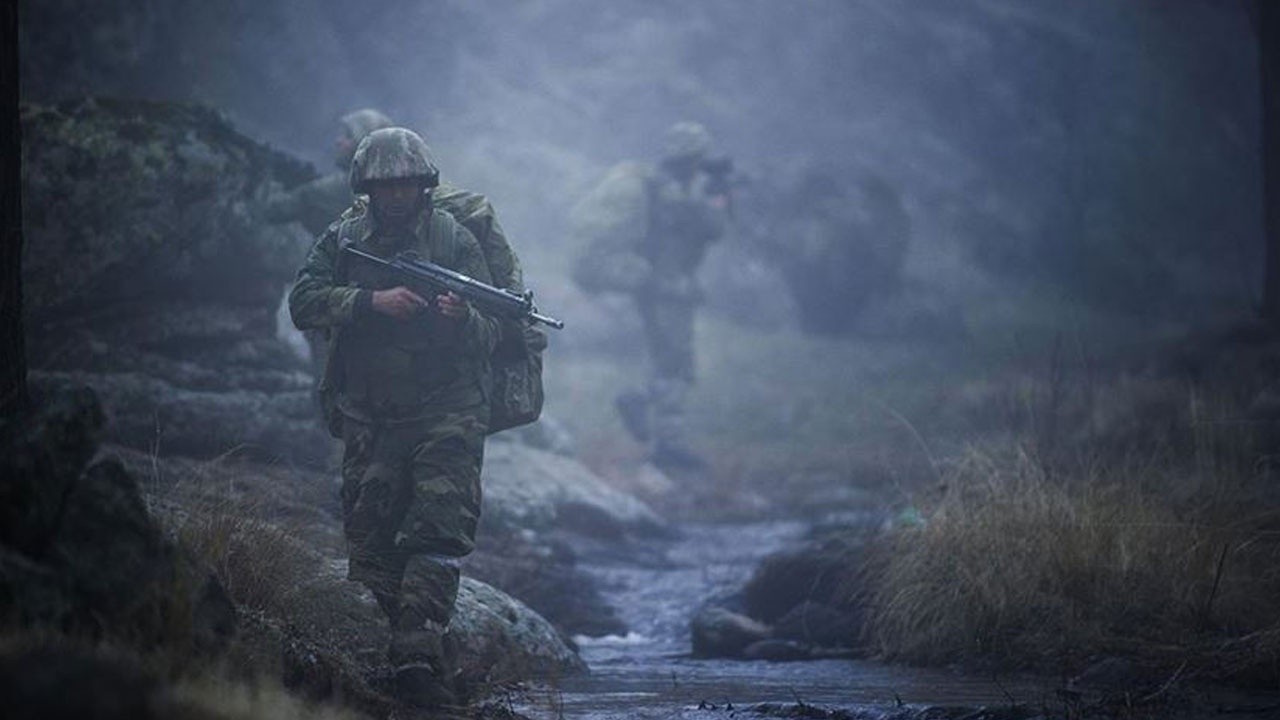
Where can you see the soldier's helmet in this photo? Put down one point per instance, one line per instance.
(394, 153)
(686, 140)
(360, 123)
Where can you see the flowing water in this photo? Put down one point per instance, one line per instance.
(650, 674)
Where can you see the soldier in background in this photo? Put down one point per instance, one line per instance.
(647, 229)
(405, 386)
(317, 203)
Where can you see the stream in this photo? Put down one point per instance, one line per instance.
(650, 674)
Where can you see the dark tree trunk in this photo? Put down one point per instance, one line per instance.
(1267, 17)
(13, 360)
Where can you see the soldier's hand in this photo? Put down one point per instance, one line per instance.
(400, 302)
(451, 306)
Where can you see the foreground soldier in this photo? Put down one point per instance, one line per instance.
(405, 385)
(647, 230)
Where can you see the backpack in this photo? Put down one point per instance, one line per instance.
(516, 365)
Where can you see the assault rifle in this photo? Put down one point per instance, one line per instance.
(487, 298)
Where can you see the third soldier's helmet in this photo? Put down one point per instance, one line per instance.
(393, 154)
(686, 140)
(360, 123)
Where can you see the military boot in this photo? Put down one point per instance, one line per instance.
(423, 665)
(424, 670)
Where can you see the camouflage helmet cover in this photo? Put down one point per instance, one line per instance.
(393, 153)
(364, 121)
(686, 140)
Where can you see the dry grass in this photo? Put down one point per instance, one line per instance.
(1165, 557)
(261, 565)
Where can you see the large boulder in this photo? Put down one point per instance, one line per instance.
(543, 572)
(531, 489)
(503, 640)
(148, 276)
(80, 551)
(542, 511)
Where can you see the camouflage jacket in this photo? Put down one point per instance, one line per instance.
(645, 233)
(322, 298)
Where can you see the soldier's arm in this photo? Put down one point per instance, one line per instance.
(316, 300)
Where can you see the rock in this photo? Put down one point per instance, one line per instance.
(818, 624)
(544, 574)
(41, 460)
(148, 413)
(148, 276)
(503, 640)
(717, 632)
(776, 651)
(826, 571)
(152, 200)
(527, 488)
(546, 433)
(91, 560)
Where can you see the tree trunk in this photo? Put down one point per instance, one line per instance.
(1267, 16)
(13, 361)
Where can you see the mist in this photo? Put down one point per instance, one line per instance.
(990, 264)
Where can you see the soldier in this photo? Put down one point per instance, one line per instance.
(406, 387)
(315, 204)
(647, 230)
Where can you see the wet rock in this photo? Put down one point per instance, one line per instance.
(717, 632)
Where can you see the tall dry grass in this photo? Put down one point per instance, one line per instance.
(1168, 557)
(263, 566)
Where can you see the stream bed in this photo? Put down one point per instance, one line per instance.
(650, 673)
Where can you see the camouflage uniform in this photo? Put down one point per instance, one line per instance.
(411, 403)
(647, 231)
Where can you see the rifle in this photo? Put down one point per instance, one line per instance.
(487, 298)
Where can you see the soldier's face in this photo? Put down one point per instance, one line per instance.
(344, 147)
(395, 201)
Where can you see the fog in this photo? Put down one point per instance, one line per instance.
(1105, 152)
(980, 344)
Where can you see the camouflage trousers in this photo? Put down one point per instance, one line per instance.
(668, 327)
(411, 502)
